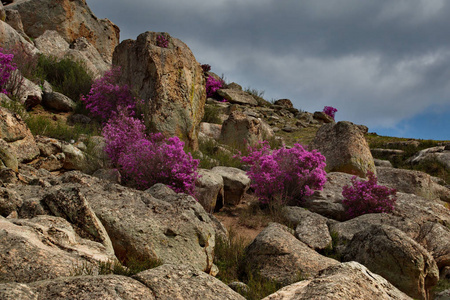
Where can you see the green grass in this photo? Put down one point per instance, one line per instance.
(211, 115)
(43, 125)
(214, 156)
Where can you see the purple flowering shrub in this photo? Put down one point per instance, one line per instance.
(366, 197)
(330, 110)
(284, 175)
(156, 159)
(107, 94)
(162, 41)
(148, 159)
(6, 69)
(212, 85)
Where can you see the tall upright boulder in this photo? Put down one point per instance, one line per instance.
(168, 79)
(72, 19)
(345, 148)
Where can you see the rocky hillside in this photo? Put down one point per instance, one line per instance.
(72, 227)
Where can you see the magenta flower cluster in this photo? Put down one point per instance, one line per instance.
(330, 110)
(145, 160)
(212, 85)
(107, 95)
(162, 41)
(366, 197)
(6, 68)
(284, 175)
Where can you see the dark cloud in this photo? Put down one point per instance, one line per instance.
(379, 62)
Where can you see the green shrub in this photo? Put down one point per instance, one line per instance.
(66, 76)
(42, 125)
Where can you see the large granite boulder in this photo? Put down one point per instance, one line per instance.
(344, 281)
(237, 96)
(277, 255)
(440, 153)
(170, 227)
(389, 252)
(45, 247)
(16, 133)
(168, 79)
(345, 148)
(11, 39)
(71, 19)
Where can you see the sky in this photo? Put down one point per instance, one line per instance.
(382, 63)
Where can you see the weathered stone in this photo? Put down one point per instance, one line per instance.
(328, 201)
(209, 190)
(10, 201)
(44, 247)
(444, 295)
(234, 86)
(15, 132)
(277, 255)
(439, 153)
(83, 51)
(184, 282)
(108, 287)
(169, 80)
(240, 130)
(51, 43)
(58, 102)
(11, 39)
(345, 148)
(323, 117)
(112, 175)
(211, 130)
(284, 102)
(382, 163)
(310, 228)
(70, 204)
(7, 158)
(50, 163)
(344, 281)
(15, 291)
(413, 182)
(236, 183)
(174, 228)
(237, 96)
(436, 239)
(389, 252)
(71, 19)
(48, 146)
(74, 157)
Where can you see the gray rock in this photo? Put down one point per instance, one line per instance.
(16, 133)
(328, 201)
(240, 130)
(323, 117)
(439, 153)
(70, 204)
(45, 247)
(58, 102)
(436, 239)
(343, 281)
(10, 201)
(444, 295)
(51, 43)
(211, 130)
(209, 190)
(345, 148)
(7, 158)
(382, 163)
(286, 103)
(112, 175)
(277, 255)
(310, 228)
(74, 157)
(413, 182)
(236, 183)
(237, 96)
(389, 252)
(184, 282)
